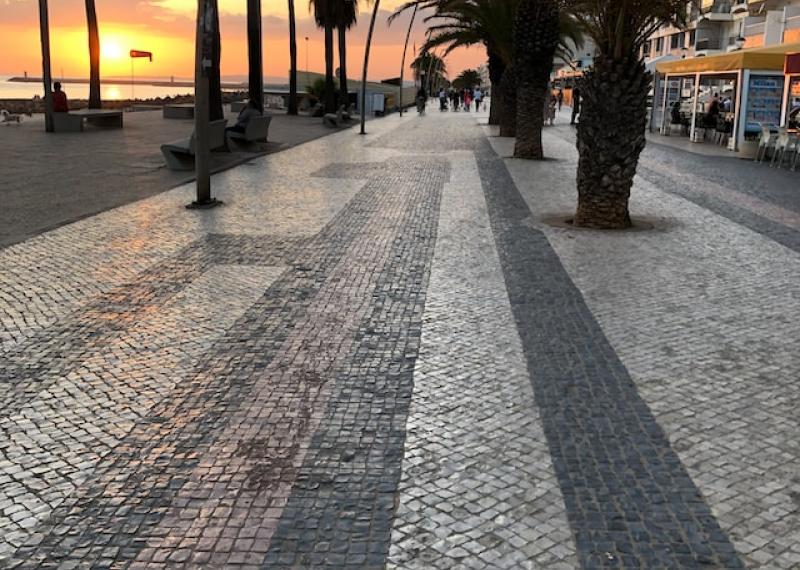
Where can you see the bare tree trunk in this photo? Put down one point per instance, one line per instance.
(508, 97)
(44, 33)
(255, 62)
(94, 55)
(330, 90)
(343, 92)
(216, 112)
(292, 60)
(611, 136)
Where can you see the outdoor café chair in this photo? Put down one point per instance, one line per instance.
(785, 142)
(765, 142)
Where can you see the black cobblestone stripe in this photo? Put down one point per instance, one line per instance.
(629, 500)
(341, 508)
(53, 352)
(775, 231)
(118, 515)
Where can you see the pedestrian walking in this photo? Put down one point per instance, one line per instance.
(560, 98)
(478, 99)
(576, 105)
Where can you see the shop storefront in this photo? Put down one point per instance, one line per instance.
(791, 110)
(725, 98)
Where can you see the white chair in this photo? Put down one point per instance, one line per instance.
(786, 142)
(765, 142)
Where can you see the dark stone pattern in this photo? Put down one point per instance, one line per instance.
(629, 500)
(780, 233)
(341, 508)
(123, 512)
(52, 353)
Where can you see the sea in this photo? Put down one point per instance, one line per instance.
(109, 91)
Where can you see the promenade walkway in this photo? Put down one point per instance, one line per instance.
(47, 180)
(380, 353)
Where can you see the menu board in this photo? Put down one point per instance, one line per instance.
(764, 102)
(793, 111)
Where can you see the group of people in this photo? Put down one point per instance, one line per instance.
(461, 99)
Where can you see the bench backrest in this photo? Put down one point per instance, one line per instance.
(216, 135)
(257, 128)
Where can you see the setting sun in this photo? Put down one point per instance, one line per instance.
(111, 49)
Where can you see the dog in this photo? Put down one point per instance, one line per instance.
(9, 118)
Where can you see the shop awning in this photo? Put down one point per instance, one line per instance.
(770, 58)
(652, 64)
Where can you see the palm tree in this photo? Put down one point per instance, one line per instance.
(292, 60)
(255, 85)
(94, 55)
(467, 79)
(325, 17)
(430, 68)
(611, 133)
(465, 23)
(536, 36)
(346, 17)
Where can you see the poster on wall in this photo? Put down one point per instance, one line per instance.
(793, 115)
(764, 102)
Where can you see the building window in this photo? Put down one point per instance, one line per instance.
(659, 45)
(692, 37)
(673, 41)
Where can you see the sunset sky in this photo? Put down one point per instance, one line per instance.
(166, 27)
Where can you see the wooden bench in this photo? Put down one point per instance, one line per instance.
(179, 155)
(179, 111)
(256, 131)
(74, 120)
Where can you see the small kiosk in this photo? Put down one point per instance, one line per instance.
(751, 84)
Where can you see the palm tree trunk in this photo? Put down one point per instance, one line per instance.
(94, 55)
(366, 66)
(255, 85)
(215, 112)
(403, 61)
(344, 98)
(44, 33)
(530, 120)
(496, 68)
(330, 90)
(611, 136)
(292, 61)
(508, 97)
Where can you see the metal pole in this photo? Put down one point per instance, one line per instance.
(366, 63)
(403, 64)
(306, 58)
(203, 58)
(132, 81)
(44, 31)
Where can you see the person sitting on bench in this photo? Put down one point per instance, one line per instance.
(251, 110)
(60, 103)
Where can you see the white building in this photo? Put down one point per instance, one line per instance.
(719, 26)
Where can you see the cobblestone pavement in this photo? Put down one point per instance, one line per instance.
(378, 354)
